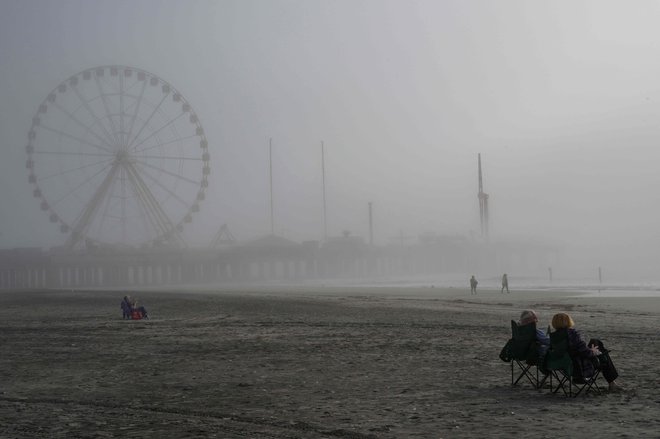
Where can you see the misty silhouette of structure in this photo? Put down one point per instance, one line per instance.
(371, 225)
(124, 221)
(270, 258)
(483, 204)
(325, 211)
(270, 165)
(108, 168)
(401, 239)
(222, 237)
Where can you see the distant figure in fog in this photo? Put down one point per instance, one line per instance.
(505, 283)
(139, 312)
(473, 285)
(126, 307)
(131, 310)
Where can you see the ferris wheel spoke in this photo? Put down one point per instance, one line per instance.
(155, 212)
(75, 169)
(142, 197)
(165, 188)
(165, 171)
(108, 83)
(166, 143)
(86, 128)
(121, 109)
(131, 141)
(71, 136)
(92, 113)
(84, 220)
(137, 110)
(83, 183)
(130, 87)
(122, 179)
(158, 130)
(130, 106)
(91, 154)
(144, 217)
(166, 157)
(108, 200)
(108, 113)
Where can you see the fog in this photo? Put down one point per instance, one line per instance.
(561, 99)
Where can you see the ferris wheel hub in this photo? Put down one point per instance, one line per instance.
(122, 156)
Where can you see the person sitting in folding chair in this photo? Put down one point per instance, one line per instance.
(589, 358)
(526, 348)
(527, 317)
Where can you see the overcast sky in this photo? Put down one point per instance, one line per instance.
(562, 99)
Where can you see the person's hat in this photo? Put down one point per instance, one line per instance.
(528, 316)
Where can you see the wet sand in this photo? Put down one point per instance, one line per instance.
(309, 363)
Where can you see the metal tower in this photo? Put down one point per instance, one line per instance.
(325, 213)
(222, 237)
(483, 204)
(270, 161)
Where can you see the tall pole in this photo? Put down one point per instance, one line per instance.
(325, 213)
(480, 196)
(270, 153)
(371, 226)
(483, 204)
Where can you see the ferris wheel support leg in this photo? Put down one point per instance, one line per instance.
(157, 215)
(140, 195)
(85, 219)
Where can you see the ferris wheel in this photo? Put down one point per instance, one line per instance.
(117, 155)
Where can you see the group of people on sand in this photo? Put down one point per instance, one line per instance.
(131, 310)
(474, 283)
(582, 353)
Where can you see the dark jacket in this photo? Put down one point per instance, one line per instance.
(543, 343)
(583, 357)
(542, 337)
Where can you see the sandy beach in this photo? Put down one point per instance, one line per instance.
(309, 363)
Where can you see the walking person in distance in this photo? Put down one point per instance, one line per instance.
(505, 283)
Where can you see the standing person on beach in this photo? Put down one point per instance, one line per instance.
(505, 283)
(473, 285)
(583, 354)
(126, 307)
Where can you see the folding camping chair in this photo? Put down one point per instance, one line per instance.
(559, 363)
(524, 354)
